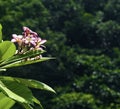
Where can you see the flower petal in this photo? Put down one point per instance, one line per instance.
(43, 41)
(13, 40)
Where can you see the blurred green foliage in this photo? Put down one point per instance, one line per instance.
(84, 36)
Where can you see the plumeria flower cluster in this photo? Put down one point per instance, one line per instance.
(29, 40)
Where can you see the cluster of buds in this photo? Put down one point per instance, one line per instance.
(29, 40)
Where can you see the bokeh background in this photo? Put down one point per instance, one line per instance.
(84, 37)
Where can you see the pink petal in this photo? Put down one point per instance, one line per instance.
(26, 41)
(20, 36)
(39, 39)
(29, 31)
(13, 40)
(14, 35)
(43, 41)
(26, 28)
(33, 43)
(34, 33)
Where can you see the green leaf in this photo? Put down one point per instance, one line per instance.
(20, 57)
(25, 62)
(28, 82)
(7, 50)
(27, 106)
(5, 102)
(37, 102)
(16, 91)
(0, 33)
(2, 69)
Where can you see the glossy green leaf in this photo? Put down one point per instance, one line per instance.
(27, 106)
(16, 91)
(25, 62)
(37, 102)
(28, 82)
(0, 33)
(2, 70)
(20, 57)
(5, 102)
(7, 50)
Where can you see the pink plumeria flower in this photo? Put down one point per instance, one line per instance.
(40, 41)
(28, 32)
(39, 44)
(17, 38)
(30, 40)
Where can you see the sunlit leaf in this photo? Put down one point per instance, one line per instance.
(20, 57)
(27, 82)
(5, 102)
(28, 106)
(16, 91)
(25, 62)
(7, 50)
(2, 70)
